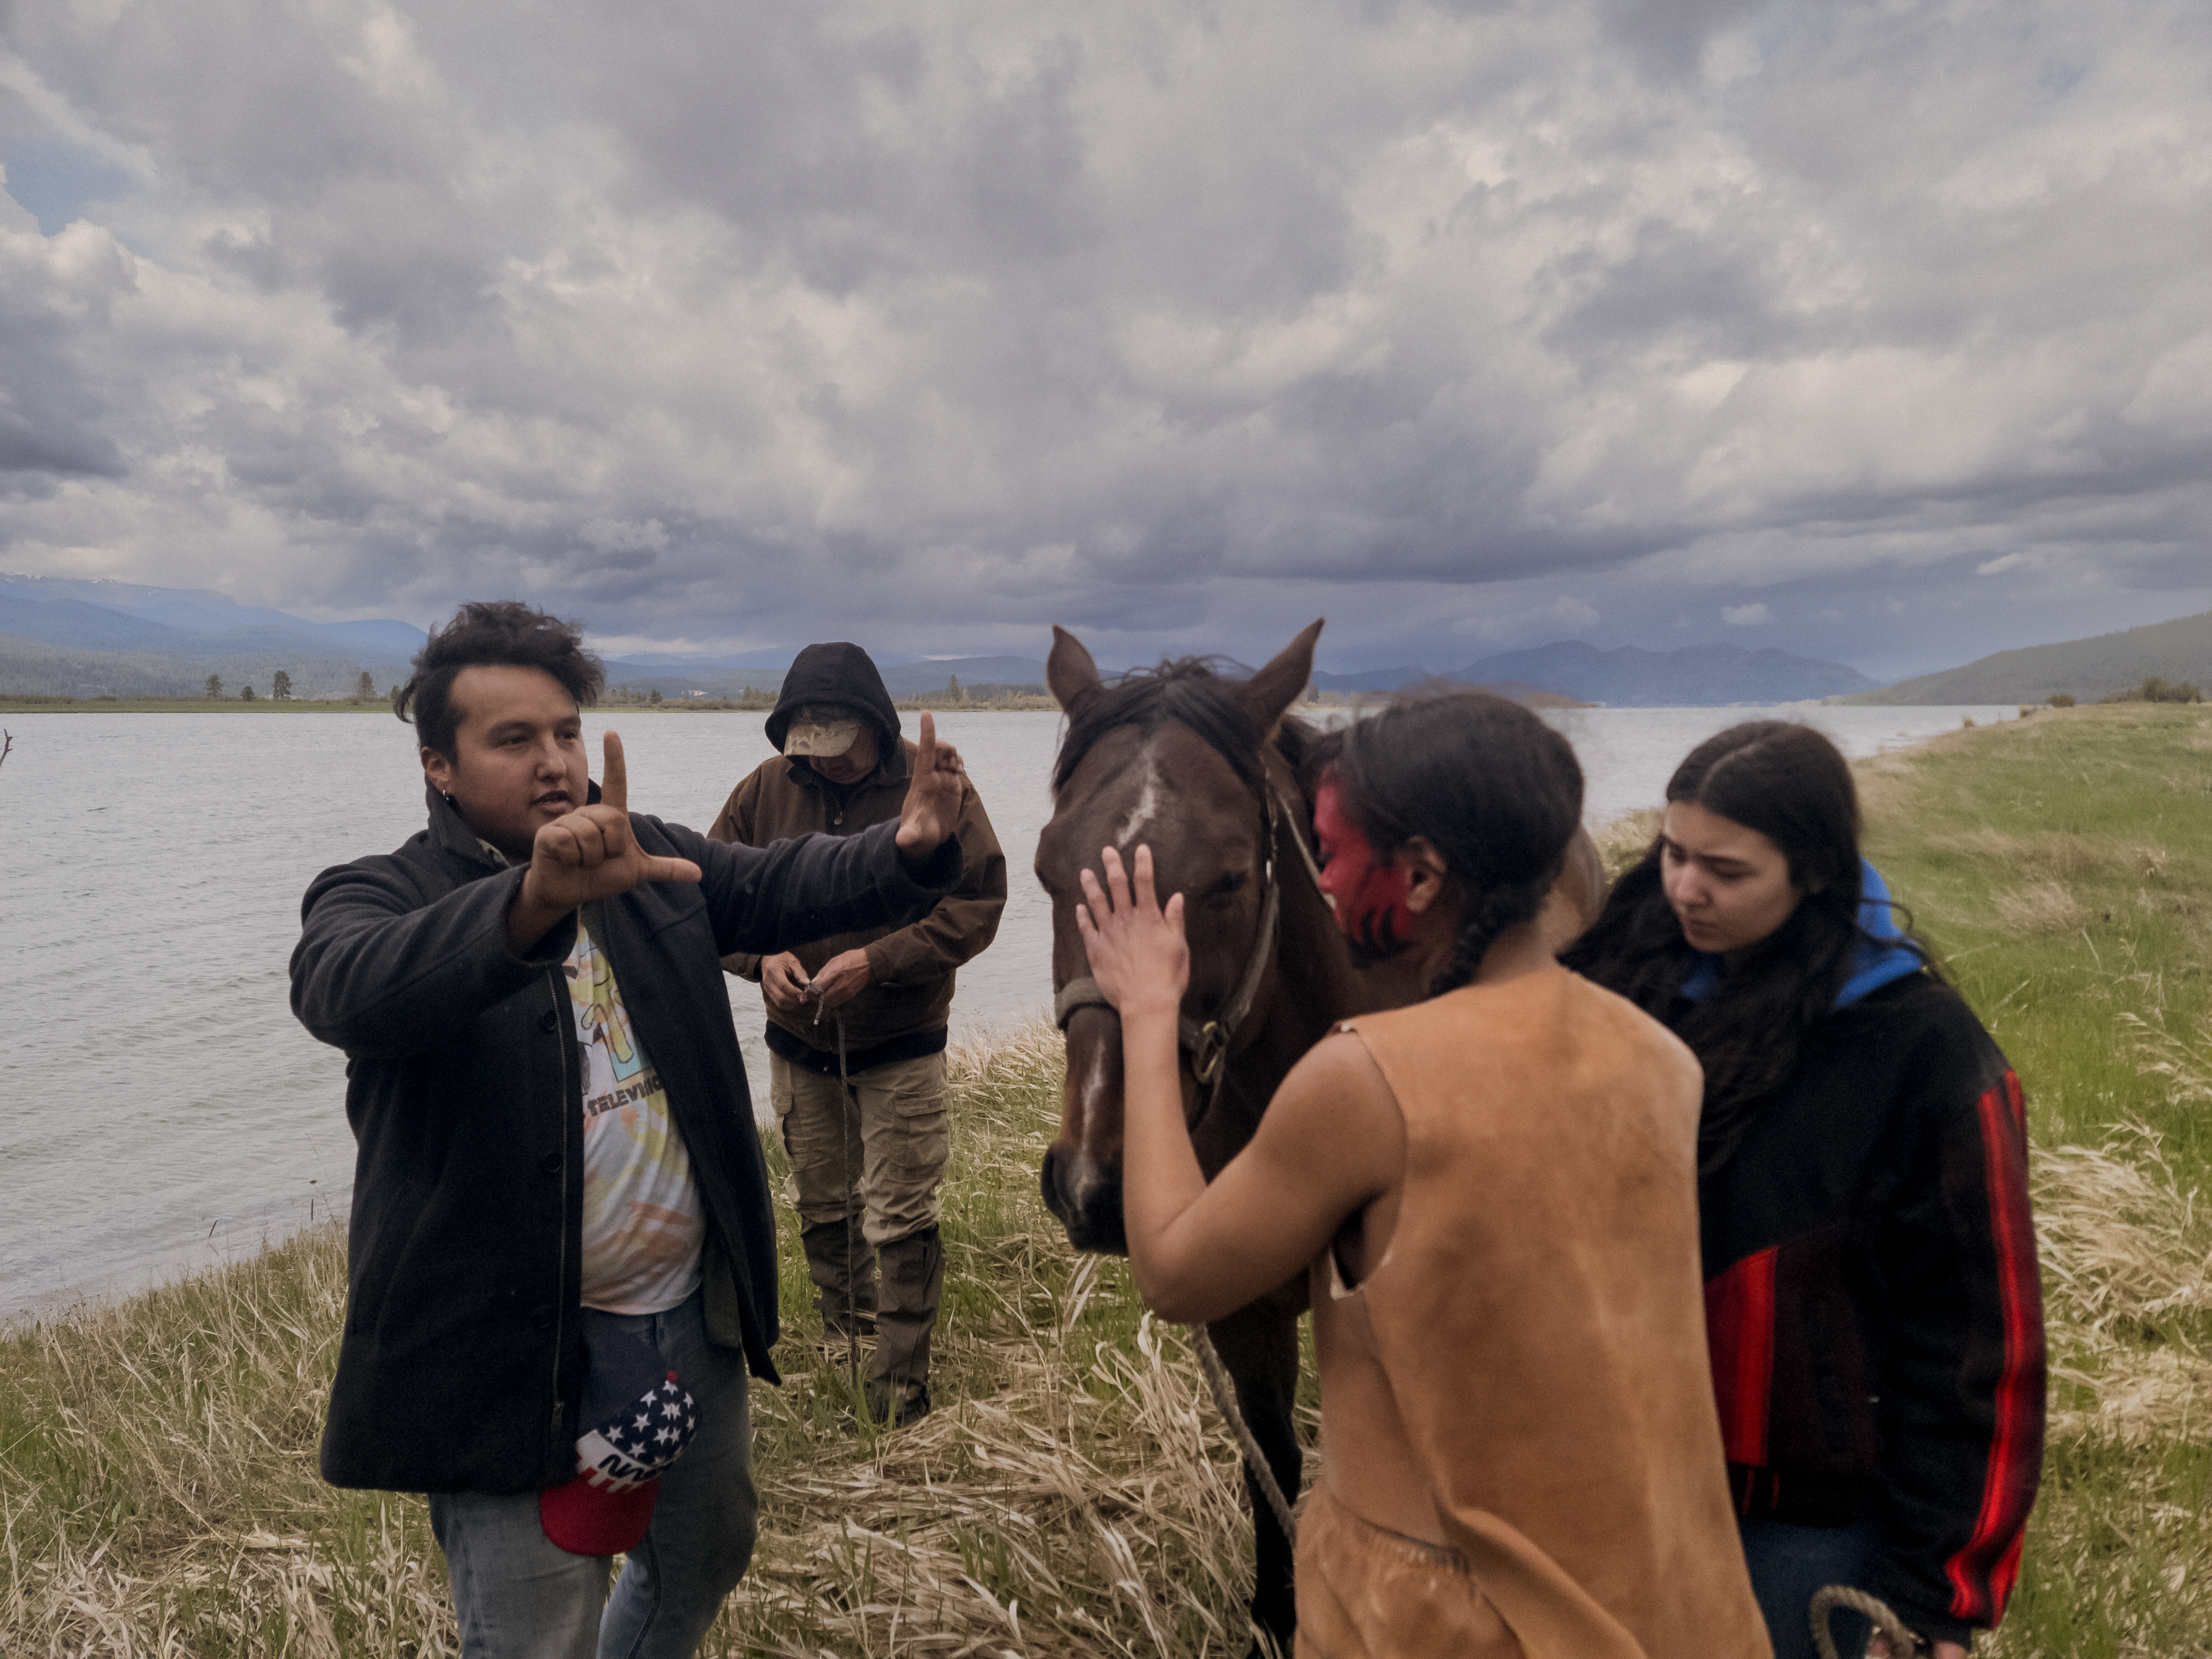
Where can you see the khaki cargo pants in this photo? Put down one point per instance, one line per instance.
(877, 1154)
(872, 1149)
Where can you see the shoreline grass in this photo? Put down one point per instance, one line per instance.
(1075, 1493)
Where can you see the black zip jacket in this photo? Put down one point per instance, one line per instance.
(1873, 1304)
(459, 1368)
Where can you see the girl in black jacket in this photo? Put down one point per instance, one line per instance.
(1871, 1298)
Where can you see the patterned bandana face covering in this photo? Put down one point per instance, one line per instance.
(1370, 896)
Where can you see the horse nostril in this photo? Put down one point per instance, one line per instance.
(1046, 1179)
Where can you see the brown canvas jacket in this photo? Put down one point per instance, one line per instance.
(912, 966)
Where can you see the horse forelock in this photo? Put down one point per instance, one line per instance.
(1189, 691)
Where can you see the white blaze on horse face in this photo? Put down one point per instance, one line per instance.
(1089, 1092)
(1148, 802)
(1094, 1085)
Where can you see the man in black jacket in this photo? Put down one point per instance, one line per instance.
(557, 1168)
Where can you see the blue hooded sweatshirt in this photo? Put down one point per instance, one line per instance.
(1882, 955)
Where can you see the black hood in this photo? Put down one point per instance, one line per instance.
(839, 673)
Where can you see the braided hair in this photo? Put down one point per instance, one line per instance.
(1496, 791)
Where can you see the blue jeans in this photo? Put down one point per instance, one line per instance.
(1790, 1564)
(519, 1596)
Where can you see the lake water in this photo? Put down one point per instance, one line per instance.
(161, 1109)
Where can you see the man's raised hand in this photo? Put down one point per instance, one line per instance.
(588, 854)
(932, 798)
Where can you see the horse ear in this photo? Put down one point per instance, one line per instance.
(1069, 672)
(1269, 693)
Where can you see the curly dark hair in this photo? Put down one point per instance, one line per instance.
(485, 633)
(1485, 781)
(1792, 785)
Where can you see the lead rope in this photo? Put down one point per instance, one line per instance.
(1226, 1403)
(845, 1172)
(845, 1179)
(1904, 1641)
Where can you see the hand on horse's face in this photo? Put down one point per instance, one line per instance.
(1138, 952)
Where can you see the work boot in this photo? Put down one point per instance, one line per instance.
(843, 1266)
(914, 1284)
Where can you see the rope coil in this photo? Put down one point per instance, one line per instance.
(1903, 1641)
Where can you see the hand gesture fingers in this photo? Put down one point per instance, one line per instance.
(592, 852)
(614, 776)
(932, 809)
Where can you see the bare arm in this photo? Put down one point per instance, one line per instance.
(1332, 1141)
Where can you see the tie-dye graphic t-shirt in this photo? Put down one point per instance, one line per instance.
(642, 1224)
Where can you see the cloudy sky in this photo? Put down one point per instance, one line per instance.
(1878, 332)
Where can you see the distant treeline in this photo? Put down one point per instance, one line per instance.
(2155, 689)
(35, 668)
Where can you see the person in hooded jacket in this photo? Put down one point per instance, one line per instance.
(1872, 1305)
(857, 1021)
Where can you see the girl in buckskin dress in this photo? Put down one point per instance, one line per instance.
(1494, 1193)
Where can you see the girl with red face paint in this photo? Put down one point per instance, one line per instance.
(1369, 894)
(1493, 1195)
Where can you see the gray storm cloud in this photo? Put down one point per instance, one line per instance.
(1467, 325)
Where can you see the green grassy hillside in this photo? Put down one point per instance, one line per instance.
(2086, 669)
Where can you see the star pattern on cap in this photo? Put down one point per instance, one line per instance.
(660, 1425)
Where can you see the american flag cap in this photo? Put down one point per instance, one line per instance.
(638, 1418)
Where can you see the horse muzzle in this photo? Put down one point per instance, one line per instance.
(1086, 1201)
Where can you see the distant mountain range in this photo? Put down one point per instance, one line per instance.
(80, 637)
(83, 637)
(1626, 677)
(2086, 669)
(63, 636)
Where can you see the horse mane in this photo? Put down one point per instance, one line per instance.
(1191, 691)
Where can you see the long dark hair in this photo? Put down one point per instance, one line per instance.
(1792, 785)
(1483, 781)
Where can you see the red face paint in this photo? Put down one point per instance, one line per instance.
(1370, 895)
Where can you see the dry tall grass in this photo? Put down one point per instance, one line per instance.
(2037, 908)
(1074, 1494)
(1623, 841)
(2127, 1284)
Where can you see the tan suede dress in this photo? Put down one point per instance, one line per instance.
(1521, 1448)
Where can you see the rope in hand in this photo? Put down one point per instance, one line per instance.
(1226, 1403)
(1903, 1641)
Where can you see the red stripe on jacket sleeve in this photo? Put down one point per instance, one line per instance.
(1982, 1573)
(1740, 1335)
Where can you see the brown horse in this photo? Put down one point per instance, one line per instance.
(1204, 769)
